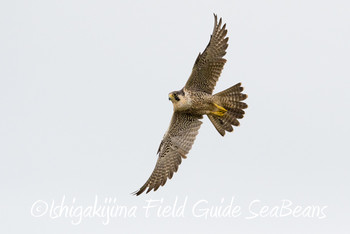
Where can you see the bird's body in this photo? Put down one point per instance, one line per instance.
(198, 103)
(193, 101)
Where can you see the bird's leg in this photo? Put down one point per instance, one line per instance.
(220, 110)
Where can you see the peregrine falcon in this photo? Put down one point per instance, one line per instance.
(193, 101)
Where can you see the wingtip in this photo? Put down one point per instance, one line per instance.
(134, 193)
(220, 22)
(140, 191)
(215, 20)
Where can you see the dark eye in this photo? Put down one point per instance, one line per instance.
(176, 97)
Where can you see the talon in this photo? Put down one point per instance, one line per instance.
(220, 112)
(220, 108)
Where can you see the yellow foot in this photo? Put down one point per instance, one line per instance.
(221, 111)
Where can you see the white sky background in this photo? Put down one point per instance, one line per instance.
(83, 108)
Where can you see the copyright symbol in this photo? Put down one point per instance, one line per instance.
(39, 208)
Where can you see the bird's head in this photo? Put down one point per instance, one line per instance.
(180, 100)
(176, 96)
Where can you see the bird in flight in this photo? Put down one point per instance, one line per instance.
(193, 101)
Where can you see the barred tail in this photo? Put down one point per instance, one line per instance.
(230, 99)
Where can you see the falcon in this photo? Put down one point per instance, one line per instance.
(193, 101)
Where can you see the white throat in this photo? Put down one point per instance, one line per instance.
(184, 104)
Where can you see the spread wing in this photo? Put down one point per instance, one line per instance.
(209, 64)
(176, 144)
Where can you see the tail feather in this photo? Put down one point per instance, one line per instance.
(220, 125)
(230, 99)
